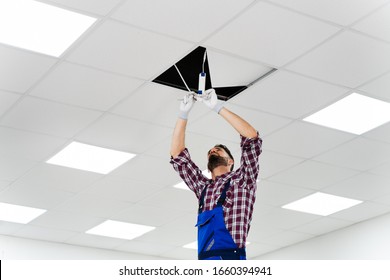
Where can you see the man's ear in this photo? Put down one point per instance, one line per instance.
(230, 161)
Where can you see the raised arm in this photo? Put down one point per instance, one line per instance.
(178, 138)
(238, 123)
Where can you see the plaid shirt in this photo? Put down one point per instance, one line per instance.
(238, 206)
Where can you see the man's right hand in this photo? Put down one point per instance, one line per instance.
(186, 105)
(210, 99)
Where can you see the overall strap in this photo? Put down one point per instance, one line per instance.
(220, 201)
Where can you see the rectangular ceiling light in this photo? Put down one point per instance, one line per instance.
(192, 245)
(19, 214)
(355, 113)
(40, 27)
(90, 158)
(321, 204)
(120, 230)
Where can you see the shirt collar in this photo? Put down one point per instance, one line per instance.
(224, 177)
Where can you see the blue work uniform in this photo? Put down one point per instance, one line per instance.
(214, 240)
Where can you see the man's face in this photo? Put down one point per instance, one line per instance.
(217, 156)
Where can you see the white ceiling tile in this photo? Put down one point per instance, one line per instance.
(95, 241)
(4, 184)
(34, 195)
(264, 123)
(261, 209)
(286, 219)
(110, 187)
(272, 163)
(92, 205)
(190, 20)
(382, 169)
(376, 24)
(139, 247)
(7, 99)
(48, 117)
(383, 199)
(287, 238)
(13, 167)
(123, 134)
(67, 221)
(381, 133)
(258, 232)
(342, 12)
(167, 236)
(361, 154)
(198, 146)
(85, 87)
(322, 226)
(348, 59)
(270, 34)
(157, 104)
(378, 88)
(227, 70)
(148, 169)
(277, 194)
(215, 126)
(181, 254)
(101, 7)
(45, 234)
(257, 249)
(186, 222)
(363, 186)
(28, 145)
(362, 211)
(289, 95)
(305, 140)
(313, 175)
(173, 198)
(8, 228)
(123, 49)
(148, 215)
(19, 70)
(47, 176)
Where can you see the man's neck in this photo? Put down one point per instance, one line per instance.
(218, 171)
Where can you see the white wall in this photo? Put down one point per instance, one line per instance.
(13, 248)
(367, 240)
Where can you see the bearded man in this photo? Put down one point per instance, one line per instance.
(226, 200)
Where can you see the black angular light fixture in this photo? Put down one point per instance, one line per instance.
(185, 75)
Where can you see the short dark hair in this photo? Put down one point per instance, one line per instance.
(228, 152)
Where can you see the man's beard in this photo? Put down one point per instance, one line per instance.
(215, 161)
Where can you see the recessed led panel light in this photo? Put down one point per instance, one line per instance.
(183, 185)
(321, 204)
(355, 113)
(90, 158)
(192, 245)
(121, 230)
(40, 27)
(19, 214)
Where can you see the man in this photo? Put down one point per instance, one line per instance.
(226, 201)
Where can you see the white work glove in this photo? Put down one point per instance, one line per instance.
(186, 106)
(209, 97)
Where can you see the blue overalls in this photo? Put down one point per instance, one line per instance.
(214, 240)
